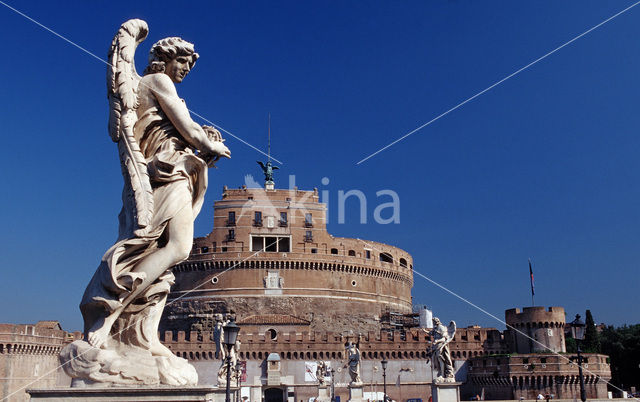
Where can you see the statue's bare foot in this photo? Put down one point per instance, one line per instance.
(158, 349)
(99, 333)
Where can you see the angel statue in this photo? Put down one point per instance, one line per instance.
(440, 354)
(164, 157)
(353, 356)
(267, 170)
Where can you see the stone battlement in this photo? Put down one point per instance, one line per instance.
(536, 315)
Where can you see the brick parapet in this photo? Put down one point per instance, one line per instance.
(318, 345)
(527, 375)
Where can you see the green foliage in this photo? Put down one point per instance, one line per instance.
(570, 344)
(623, 347)
(591, 343)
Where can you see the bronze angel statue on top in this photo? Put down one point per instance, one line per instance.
(164, 156)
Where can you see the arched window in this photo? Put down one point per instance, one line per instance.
(386, 257)
(334, 251)
(403, 262)
(352, 253)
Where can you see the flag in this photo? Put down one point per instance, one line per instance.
(531, 274)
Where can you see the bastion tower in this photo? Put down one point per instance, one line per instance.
(270, 259)
(545, 326)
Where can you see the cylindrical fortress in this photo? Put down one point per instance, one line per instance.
(269, 255)
(536, 329)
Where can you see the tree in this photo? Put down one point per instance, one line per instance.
(622, 344)
(591, 343)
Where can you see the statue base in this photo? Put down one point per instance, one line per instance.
(323, 394)
(121, 394)
(124, 365)
(356, 393)
(445, 391)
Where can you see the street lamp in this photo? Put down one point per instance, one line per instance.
(238, 378)
(333, 381)
(384, 378)
(230, 335)
(577, 331)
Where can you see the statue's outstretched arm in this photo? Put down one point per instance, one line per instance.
(176, 110)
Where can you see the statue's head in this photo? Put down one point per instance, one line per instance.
(436, 321)
(172, 56)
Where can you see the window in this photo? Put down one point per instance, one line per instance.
(352, 253)
(367, 254)
(334, 251)
(308, 220)
(284, 244)
(215, 246)
(314, 251)
(386, 257)
(205, 249)
(257, 243)
(283, 219)
(231, 220)
(403, 262)
(308, 236)
(543, 360)
(271, 244)
(525, 360)
(231, 235)
(257, 218)
(224, 249)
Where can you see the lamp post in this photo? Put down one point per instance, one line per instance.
(577, 331)
(230, 335)
(238, 379)
(384, 378)
(333, 381)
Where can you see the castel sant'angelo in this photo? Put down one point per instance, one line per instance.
(300, 295)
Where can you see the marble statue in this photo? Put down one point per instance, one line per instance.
(441, 336)
(164, 157)
(321, 372)
(233, 362)
(353, 356)
(218, 337)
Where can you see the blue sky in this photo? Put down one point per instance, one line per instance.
(542, 166)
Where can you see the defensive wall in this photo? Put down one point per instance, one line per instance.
(544, 329)
(29, 357)
(527, 375)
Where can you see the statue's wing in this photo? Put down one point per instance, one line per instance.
(122, 88)
(261, 165)
(275, 167)
(451, 330)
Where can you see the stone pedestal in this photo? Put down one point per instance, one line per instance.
(129, 394)
(356, 392)
(445, 391)
(323, 394)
